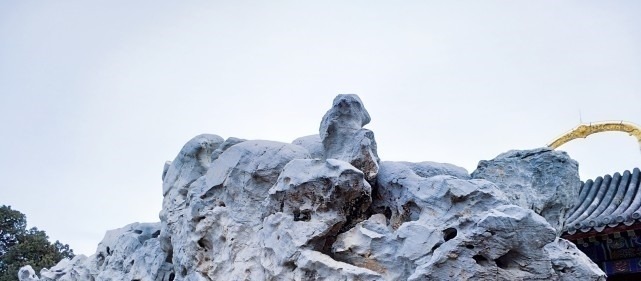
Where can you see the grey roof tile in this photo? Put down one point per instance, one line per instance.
(607, 201)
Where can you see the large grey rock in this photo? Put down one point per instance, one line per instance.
(69, 270)
(567, 264)
(343, 137)
(191, 163)
(506, 243)
(264, 210)
(446, 228)
(129, 253)
(544, 180)
(330, 192)
(399, 183)
(422, 214)
(213, 232)
(243, 174)
(26, 273)
(314, 200)
(322, 187)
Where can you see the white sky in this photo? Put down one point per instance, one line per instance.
(94, 98)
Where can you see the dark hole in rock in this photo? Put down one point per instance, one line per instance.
(183, 271)
(205, 244)
(411, 211)
(172, 276)
(449, 234)
(469, 247)
(304, 215)
(291, 265)
(324, 243)
(170, 256)
(310, 275)
(155, 234)
(479, 259)
(108, 251)
(198, 218)
(138, 231)
(508, 260)
(388, 213)
(221, 204)
(101, 259)
(355, 212)
(132, 262)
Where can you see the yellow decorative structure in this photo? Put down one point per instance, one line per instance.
(585, 130)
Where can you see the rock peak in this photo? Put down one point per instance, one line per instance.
(347, 113)
(343, 137)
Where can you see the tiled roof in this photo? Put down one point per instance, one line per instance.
(606, 202)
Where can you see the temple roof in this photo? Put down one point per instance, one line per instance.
(606, 201)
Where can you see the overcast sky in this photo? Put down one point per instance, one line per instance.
(94, 98)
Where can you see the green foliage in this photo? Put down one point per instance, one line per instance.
(12, 226)
(20, 246)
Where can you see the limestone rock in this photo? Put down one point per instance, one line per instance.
(314, 200)
(313, 144)
(325, 208)
(400, 183)
(68, 270)
(129, 253)
(343, 137)
(243, 174)
(428, 169)
(328, 195)
(569, 263)
(224, 146)
(316, 266)
(26, 273)
(191, 163)
(320, 187)
(505, 244)
(214, 232)
(447, 228)
(544, 180)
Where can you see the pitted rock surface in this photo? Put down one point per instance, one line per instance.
(325, 208)
(544, 180)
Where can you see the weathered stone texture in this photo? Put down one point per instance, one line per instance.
(544, 180)
(326, 208)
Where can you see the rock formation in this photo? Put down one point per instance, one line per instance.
(544, 180)
(326, 208)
